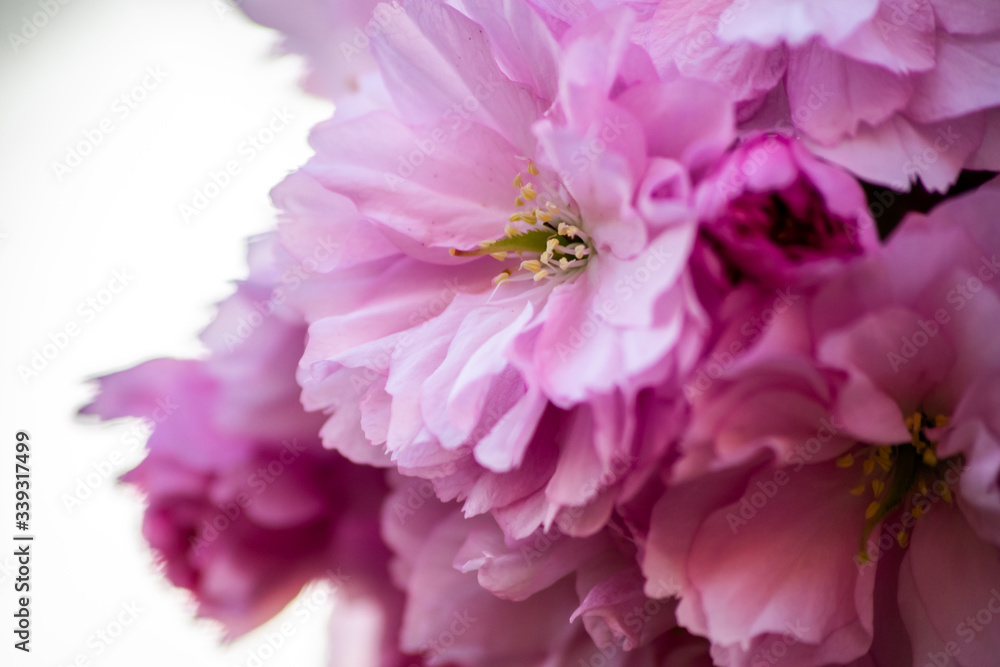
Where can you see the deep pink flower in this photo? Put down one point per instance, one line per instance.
(777, 215)
(894, 90)
(837, 492)
(245, 506)
(776, 224)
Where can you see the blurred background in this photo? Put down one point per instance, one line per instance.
(121, 228)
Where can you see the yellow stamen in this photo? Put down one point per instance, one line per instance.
(868, 466)
(502, 277)
(914, 424)
(528, 192)
(845, 461)
(532, 169)
(518, 181)
(878, 486)
(858, 490)
(569, 231)
(872, 509)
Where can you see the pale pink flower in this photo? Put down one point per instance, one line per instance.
(478, 600)
(894, 90)
(333, 35)
(514, 385)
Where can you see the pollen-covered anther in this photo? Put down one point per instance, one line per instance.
(528, 192)
(569, 231)
(868, 467)
(946, 495)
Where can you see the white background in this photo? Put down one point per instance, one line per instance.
(61, 239)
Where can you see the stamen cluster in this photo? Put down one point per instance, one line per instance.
(548, 238)
(899, 475)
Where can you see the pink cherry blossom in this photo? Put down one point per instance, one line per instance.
(837, 474)
(245, 506)
(513, 385)
(894, 90)
(777, 215)
(478, 600)
(333, 35)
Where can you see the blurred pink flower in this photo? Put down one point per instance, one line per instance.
(478, 600)
(333, 35)
(894, 90)
(776, 224)
(836, 475)
(777, 215)
(245, 506)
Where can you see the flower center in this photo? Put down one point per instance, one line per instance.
(548, 238)
(902, 476)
